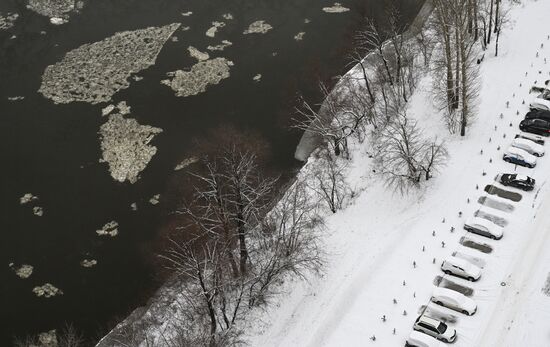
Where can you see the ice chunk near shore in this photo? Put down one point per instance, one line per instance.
(201, 75)
(258, 27)
(185, 163)
(110, 229)
(57, 10)
(88, 263)
(94, 72)
(133, 206)
(186, 14)
(28, 197)
(257, 78)
(24, 271)
(220, 47)
(336, 8)
(214, 28)
(299, 36)
(155, 199)
(38, 211)
(15, 98)
(195, 53)
(106, 110)
(7, 21)
(125, 146)
(227, 16)
(47, 290)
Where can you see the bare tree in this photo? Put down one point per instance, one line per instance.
(404, 155)
(328, 181)
(372, 37)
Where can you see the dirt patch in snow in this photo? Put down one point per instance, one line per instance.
(498, 205)
(502, 193)
(491, 217)
(450, 284)
(482, 247)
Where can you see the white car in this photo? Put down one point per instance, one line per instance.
(518, 156)
(540, 104)
(435, 328)
(529, 147)
(484, 227)
(418, 339)
(461, 268)
(454, 300)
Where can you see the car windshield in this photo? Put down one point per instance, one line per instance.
(441, 328)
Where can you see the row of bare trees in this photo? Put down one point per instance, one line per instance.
(240, 240)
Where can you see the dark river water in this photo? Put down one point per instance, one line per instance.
(53, 151)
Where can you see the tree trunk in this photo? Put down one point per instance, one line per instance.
(464, 64)
(457, 66)
(490, 23)
(367, 84)
(496, 42)
(497, 15)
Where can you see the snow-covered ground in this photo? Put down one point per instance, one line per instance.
(373, 243)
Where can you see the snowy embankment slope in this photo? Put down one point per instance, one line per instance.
(373, 243)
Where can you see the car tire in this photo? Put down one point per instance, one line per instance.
(447, 272)
(471, 279)
(438, 303)
(466, 313)
(507, 160)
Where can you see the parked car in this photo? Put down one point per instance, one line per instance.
(461, 268)
(529, 147)
(522, 182)
(520, 157)
(540, 104)
(535, 126)
(435, 328)
(454, 300)
(535, 138)
(418, 339)
(484, 227)
(538, 114)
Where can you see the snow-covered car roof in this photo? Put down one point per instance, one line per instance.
(418, 337)
(461, 262)
(518, 151)
(530, 144)
(456, 296)
(483, 222)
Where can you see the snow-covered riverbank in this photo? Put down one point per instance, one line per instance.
(386, 250)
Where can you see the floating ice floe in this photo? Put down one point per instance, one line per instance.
(47, 290)
(88, 263)
(185, 28)
(258, 27)
(24, 271)
(307, 21)
(15, 98)
(95, 72)
(57, 10)
(201, 75)
(220, 47)
(133, 206)
(125, 146)
(299, 36)
(227, 16)
(174, 39)
(214, 28)
(185, 163)
(137, 78)
(155, 199)
(28, 197)
(336, 8)
(186, 14)
(7, 21)
(257, 78)
(195, 53)
(106, 110)
(38, 211)
(109, 229)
